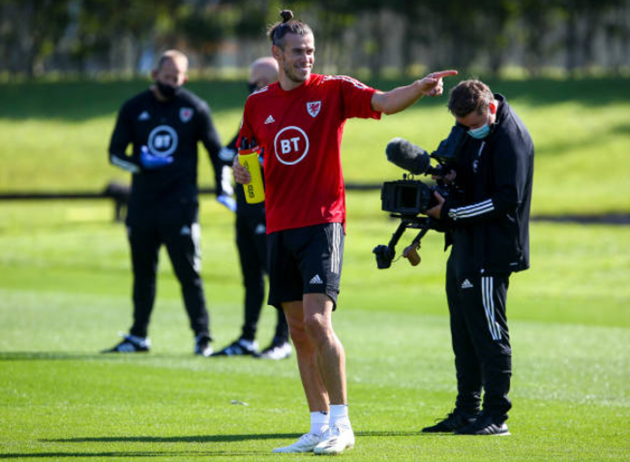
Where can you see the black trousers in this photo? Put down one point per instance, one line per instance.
(251, 240)
(178, 229)
(481, 341)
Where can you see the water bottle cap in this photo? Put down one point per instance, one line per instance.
(244, 152)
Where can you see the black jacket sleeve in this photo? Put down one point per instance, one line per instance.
(229, 152)
(121, 138)
(210, 139)
(232, 145)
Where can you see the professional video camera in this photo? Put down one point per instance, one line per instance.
(407, 198)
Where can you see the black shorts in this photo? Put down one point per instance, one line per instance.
(305, 261)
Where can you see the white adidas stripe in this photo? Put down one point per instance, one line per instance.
(130, 167)
(475, 212)
(475, 206)
(472, 210)
(487, 287)
(336, 254)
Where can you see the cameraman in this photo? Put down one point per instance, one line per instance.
(489, 224)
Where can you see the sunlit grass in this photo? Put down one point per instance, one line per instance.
(64, 294)
(55, 137)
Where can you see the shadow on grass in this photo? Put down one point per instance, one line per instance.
(77, 101)
(180, 439)
(61, 455)
(88, 356)
(46, 356)
(176, 439)
(212, 438)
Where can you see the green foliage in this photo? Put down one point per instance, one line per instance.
(33, 28)
(84, 36)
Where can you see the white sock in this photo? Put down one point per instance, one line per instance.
(319, 422)
(339, 415)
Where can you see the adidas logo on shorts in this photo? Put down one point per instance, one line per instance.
(316, 280)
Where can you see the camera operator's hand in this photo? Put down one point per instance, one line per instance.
(241, 175)
(435, 211)
(449, 178)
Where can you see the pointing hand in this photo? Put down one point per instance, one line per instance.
(432, 84)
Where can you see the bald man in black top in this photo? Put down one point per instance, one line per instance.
(251, 240)
(164, 125)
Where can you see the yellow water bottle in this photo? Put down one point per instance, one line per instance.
(248, 158)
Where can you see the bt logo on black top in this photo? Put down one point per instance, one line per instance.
(163, 141)
(291, 145)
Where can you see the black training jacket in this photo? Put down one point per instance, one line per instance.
(490, 220)
(171, 128)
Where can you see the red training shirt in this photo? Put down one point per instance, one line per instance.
(300, 131)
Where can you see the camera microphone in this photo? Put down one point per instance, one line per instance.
(408, 156)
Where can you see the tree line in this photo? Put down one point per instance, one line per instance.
(88, 36)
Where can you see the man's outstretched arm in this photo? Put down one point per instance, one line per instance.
(401, 98)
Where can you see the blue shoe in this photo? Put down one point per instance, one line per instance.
(240, 347)
(131, 344)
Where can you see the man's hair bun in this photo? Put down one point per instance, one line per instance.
(287, 15)
(276, 32)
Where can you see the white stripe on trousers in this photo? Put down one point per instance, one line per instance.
(335, 257)
(487, 287)
(196, 238)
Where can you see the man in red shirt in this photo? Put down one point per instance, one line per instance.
(299, 121)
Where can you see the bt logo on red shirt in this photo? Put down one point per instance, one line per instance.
(291, 145)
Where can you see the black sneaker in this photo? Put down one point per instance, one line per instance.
(130, 344)
(240, 347)
(202, 346)
(453, 422)
(276, 351)
(485, 425)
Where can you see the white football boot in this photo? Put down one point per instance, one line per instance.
(335, 440)
(306, 443)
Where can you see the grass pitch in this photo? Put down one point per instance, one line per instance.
(64, 291)
(65, 285)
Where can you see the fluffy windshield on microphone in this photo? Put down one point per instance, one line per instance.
(408, 156)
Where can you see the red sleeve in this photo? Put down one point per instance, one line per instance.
(357, 99)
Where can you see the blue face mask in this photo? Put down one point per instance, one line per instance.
(480, 133)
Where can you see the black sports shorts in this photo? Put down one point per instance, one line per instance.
(305, 261)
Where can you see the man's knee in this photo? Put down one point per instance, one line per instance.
(317, 327)
(317, 317)
(294, 314)
(298, 332)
